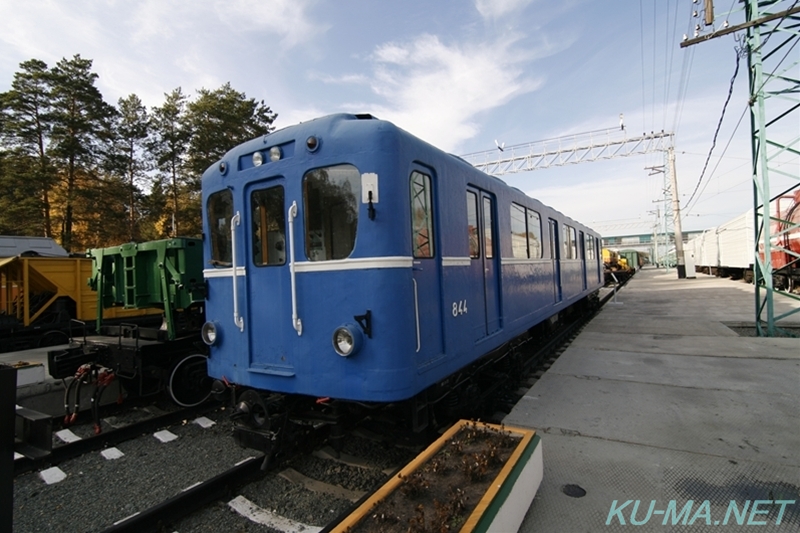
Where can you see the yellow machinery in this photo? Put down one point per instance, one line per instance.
(39, 296)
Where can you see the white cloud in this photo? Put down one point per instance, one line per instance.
(286, 18)
(493, 9)
(436, 91)
(344, 79)
(36, 29)
(150, 47)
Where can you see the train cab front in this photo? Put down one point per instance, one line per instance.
(300, 268)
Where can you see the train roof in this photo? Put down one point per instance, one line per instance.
(329, 123)
(12, 246)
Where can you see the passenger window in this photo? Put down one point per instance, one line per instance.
(597, 247)
(331, 197)
(589, 247)
(488, 224)
(526, 233)
(472, 225)
(421, 215)
(534, 235)
(519, 240)
(570, 243)
(220, 212)
(269, 226)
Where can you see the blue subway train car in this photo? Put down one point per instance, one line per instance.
(347, 259)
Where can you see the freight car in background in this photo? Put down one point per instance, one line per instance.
(615, 267)
(146, 357)
(44, 295)
(634, 258)
(728, 250)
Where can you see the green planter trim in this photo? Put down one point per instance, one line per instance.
(506, 486)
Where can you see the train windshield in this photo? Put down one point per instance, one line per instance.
(331, 198)
(220, 212)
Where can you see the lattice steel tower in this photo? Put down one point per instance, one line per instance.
(772, 29)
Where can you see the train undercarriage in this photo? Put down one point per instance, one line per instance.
(273, 422)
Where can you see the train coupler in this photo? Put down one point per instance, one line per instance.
(264, 441)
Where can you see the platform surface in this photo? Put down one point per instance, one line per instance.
(658, 403)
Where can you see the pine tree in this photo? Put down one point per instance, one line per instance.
(218, 121)
(128, 159)
(80, 131)
(27, 120)
(168, 144)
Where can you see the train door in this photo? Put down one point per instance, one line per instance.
(426, 270)
(267, 278)
(582, 256)
(483, 263)
(555, 255)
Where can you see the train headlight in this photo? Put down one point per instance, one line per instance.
(275, 153)
(347, 340)
(209, 333)
(258, 159)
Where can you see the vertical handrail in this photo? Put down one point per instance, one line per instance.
(238, 320)
(416, 313)
(297, 324)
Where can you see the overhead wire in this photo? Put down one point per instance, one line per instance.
(671, 58)
(641, 49)
(740, 51)
(739, 54)
(653, 109)
(683, 85)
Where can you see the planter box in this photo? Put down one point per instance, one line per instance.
(507, 498)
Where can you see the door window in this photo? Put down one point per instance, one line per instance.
(472, 225)
(269, 226)
(488, 225)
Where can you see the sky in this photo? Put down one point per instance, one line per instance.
(460, 74)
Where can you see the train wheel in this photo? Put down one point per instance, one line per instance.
(189, 384)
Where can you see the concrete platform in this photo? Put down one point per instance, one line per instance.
(657, 404)
(33, 378)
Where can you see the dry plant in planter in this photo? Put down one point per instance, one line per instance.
(476, 477)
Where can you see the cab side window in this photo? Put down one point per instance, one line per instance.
(421, 215)
(220, 212)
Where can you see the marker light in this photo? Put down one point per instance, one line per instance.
(209, 333)
(312, 143)
(347, 340)
(275, 153)
(258, 159)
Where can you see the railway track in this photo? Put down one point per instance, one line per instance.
(119, 425)
(200, 481)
